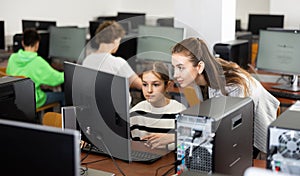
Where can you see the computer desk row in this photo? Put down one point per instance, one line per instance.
(159, 167)
(286, 98)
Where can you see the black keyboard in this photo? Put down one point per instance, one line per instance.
(139, 156)
(283, 94)
(144, 156)
(93, 149)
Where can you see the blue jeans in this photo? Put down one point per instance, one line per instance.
(55, 97)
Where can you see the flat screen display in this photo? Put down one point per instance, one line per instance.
(279, 51)
(38, 150)
(257, 22)
(155, 42)
(67, 43)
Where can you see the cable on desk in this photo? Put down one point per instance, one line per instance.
(91, 162)
(83, 171)
(170, 164)
(112, 158)
(168, 171)
(88, 152)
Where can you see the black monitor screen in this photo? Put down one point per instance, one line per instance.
(127, 48)
(69, 69)
(38, 150)
(2, 35)
(38, 25)
(17, 99)
(257, 22)
(136, 19)
(93, 25)
(67, 43)
(102, 103)
(102, 18)
(43, 50)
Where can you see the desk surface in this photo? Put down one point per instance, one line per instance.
(136, 168)
(284, 101)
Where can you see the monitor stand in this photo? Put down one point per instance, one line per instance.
(292, 86)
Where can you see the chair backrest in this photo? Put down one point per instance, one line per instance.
(52, 119)
(191, 96)
(3, 71)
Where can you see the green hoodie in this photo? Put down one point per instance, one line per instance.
(29, 64)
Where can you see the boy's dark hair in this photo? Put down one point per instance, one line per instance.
(109, 31)
(31, 37)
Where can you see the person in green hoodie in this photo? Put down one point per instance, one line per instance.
(26, 62)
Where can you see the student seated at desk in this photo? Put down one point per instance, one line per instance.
(154, 118)
(27, 63)
(108, 37)
(195, 66)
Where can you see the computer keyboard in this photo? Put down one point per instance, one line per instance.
(138, 156)
(283, 94)
(144, 156)
(93, 149)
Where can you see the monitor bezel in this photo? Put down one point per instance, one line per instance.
(278, 71)
(253, 18)
(51, 132)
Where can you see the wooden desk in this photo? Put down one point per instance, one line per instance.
(286, 102)
(130, 169)
(136, 168)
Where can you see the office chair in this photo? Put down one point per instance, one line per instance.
(3, 71)
(53, 119)
(191, 96)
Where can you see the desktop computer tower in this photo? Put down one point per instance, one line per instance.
(216, 136)
(237, 51)
(283, 153)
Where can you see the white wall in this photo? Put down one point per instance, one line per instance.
(291, 11)
(212, 21)
(154, 9)
(78, 12)
(74, 12)
(244, 7)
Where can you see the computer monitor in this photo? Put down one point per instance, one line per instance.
(155, 42)
(93, 25)
(37, 24)
(278, 52)
(17, 99)
(127, 48)
(43, 50)
(136, 19)
(102, 18)
(168, 22)
(32, 149)
(102, 108)
(2, 35)
(102, 111)
(69, 69)
(67, 43)
(257, 22)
